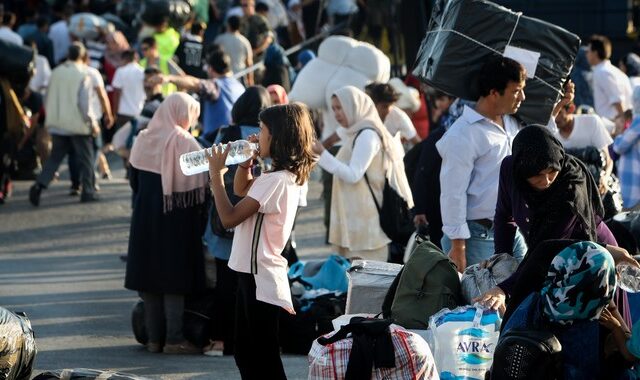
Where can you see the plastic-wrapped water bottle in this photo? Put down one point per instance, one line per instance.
(628, 277)
(196, 162)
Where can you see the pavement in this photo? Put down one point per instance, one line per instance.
(60, 264)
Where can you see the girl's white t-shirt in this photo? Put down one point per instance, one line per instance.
(279, 196)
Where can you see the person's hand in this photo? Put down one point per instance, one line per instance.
(317, 147)
(621, 255)
(569, 93)
(420, 219)
(494, 299)
(458, 255)
(603, 185)
(108, 120)
(608, 320)
(253, 138)
(217, 159)
(95, 130)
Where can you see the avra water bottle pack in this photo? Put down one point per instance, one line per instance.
(464, 341)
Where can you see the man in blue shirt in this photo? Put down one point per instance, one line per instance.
(217, 94)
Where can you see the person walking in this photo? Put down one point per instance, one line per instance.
(70, 125)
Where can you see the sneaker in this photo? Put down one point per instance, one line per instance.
(214, 348)
(184, 348)
(154, 347)
(34, 194)
(74, 191)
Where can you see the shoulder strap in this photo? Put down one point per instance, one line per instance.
(365, 172)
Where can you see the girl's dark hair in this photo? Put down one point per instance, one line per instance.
(291, 139)
(381, 93)
(248, 106)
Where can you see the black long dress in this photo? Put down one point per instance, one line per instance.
(165, 250)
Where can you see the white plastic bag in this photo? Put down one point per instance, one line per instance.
(464, 340)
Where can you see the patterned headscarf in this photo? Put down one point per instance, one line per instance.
(581, 281)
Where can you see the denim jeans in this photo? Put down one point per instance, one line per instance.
(480, 245)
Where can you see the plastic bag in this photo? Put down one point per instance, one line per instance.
(465, 339)
(17, 346)
(478, 279)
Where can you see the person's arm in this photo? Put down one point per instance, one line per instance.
(503, 222)
(230, 215)
(116, 100)
(243, 178)
(420, 183)
(366, 147)
(458, 157)
(185, 82)
(415, 139)
(331, 140)
(249, 63)
(567, 98)
(106, 107)
(612, 320)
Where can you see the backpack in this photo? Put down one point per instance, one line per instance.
(394, 214)
(427, 284)
(527, 354)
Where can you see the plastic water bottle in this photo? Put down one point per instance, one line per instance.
(628, 277)
(196, 162)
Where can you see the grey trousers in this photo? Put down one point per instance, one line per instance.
(163, 317)
(82, 146)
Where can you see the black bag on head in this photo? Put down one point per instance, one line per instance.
(527, 354)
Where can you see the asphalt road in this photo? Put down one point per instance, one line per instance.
(60, 264)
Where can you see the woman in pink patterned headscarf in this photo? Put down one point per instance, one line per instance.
(165, 260)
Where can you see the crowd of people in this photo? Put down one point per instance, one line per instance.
(482, 181)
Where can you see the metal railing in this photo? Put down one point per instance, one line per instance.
(293, 49)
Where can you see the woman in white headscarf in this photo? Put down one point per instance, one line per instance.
(367, 148)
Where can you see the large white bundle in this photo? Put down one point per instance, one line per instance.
(341, 61)
(86, 25)
(311, 82)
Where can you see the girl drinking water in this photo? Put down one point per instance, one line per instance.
(263, 220)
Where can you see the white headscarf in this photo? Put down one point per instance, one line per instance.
(361, 113)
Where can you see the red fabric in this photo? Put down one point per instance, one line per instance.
(421, 120)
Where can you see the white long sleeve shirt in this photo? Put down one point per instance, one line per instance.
(610, 85)
(472, 151)
(366, 146)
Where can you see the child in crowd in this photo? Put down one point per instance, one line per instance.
(263, 221)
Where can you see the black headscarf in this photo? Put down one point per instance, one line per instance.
(246, 109)
(574, 191)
